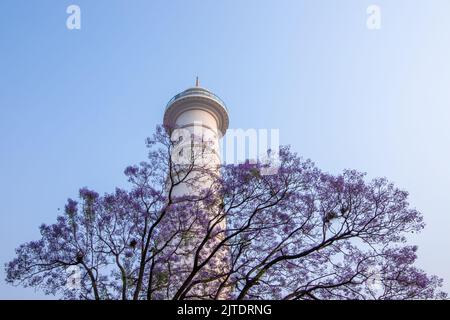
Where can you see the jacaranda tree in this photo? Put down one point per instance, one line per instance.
(297, 234)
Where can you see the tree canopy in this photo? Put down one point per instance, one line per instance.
(298, 234)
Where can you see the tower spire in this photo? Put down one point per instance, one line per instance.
(196, 81)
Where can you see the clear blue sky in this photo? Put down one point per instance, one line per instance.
(76, 106)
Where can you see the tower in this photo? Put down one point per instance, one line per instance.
(196, 112)
(196, 120)
(196, 105)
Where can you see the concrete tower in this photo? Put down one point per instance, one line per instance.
(197, 112)
(197, 107)
(197, 104)
(197, 119)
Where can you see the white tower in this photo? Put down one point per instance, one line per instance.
(197, 119)
(197, 112)
(197, 104)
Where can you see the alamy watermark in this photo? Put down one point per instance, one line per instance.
(237, 146)
(73, 278)
(373, 21)
(374, 281)
(73, 21)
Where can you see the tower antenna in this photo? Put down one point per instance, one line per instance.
(196, 82)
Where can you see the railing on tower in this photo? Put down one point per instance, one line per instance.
(196, 92)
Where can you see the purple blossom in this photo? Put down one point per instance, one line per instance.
(88, 195)
(294, 235)
(71, 207)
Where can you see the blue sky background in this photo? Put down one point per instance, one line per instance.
(76, 106)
